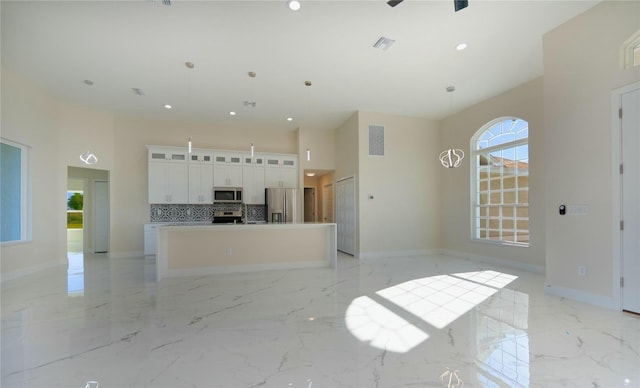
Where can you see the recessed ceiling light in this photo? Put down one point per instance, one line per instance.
(289, 118)
(232, 113)
(167, 106)
(461, 46)
(294, 5)
(311, 174)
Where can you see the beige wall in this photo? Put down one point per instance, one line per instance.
(322, 146)
(582, 67)
(403, 216)
(525, 102)
(57, 133)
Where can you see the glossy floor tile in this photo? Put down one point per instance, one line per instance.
(431, 321)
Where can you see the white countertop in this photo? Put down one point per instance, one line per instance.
(200, 226)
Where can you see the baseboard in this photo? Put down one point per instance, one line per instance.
(243, 268)
(126, 255)
(6, 277)
(493, 260)
(392, 254)
(582, 296)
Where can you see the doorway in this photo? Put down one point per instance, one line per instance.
(327, 203)
(88, 229)
(310, 204)
(626, 107)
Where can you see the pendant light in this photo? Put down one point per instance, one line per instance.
(452, 157)
(308, 154)
(87, 157)
(252, 149)
(189, 66)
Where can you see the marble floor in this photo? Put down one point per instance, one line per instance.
(430, 321)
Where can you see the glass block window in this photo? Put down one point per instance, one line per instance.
(500, 182)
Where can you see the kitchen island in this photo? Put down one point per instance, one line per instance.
(220, 248)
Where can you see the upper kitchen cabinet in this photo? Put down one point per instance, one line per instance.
(285, 161)
(227, 169)
(160, 154)
(281, 171)
(201, 177)
(168, 176)
(253, 179)
(200, 156)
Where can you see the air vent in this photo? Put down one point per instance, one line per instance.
(376, 140)
(163, 2)
(383, 43)
(137, 91)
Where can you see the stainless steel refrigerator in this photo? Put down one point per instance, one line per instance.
(283, 206)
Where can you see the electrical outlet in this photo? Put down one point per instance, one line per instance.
(582, 270)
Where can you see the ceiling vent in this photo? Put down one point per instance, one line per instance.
(163, 2)
(376, 140)
(383, 43)
(137, 91)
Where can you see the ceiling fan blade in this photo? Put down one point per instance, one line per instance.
(393, 3)
(460, 4)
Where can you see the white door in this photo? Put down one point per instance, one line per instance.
(101, 216)
(346, 215)
(631, 200)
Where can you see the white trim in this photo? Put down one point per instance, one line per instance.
(6, 277)
(582, 296)
(616, 211)
(496, 261)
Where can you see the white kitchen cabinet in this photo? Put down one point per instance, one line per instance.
(163, 154)
(201, 177)
(200, 156)
(201, 183)
(281, 171)
(282, 161)
(253, 184)
(227, 169)
(280, 177)
(168, 182)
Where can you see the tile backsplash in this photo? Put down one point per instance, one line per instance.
(201, 213)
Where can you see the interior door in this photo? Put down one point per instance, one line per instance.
(327, 203)
(101, 216)
(630, 133)
(346, 215)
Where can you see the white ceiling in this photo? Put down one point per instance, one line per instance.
(121, 45)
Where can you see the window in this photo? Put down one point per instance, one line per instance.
(15, 217)
(630, 51)
(500, 182)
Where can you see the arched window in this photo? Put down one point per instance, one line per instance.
(500, 182)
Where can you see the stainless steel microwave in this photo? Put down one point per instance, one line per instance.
(227, 195)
